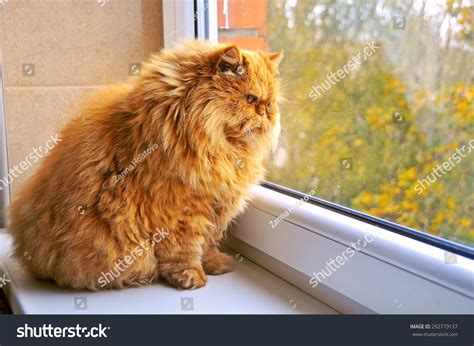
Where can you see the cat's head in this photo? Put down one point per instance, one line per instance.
(244, 94)
(213, 95)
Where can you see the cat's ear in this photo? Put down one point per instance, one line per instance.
(229, 61)
(276, 58)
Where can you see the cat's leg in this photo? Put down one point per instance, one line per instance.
(182, 273)
(180, 263)
(215, 262)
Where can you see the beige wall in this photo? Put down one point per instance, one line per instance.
(77, 47)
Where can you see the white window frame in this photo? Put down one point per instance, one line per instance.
(182, 17)
(392, 275)
(178, 21)
(5, 192)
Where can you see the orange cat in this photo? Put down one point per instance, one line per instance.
(147, 178)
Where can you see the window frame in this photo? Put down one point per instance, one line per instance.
(189, 19)
(4, 193)
(445, 244)
(179, 21)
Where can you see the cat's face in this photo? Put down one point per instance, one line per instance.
(244, 95)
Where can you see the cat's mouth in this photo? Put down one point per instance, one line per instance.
(257, 129)
(246, 134)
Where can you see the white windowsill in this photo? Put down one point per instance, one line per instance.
(250, 289)
(392, 275)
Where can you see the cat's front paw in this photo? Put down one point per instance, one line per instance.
(216, 262)
(189, 278)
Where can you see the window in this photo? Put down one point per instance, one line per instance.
(380, 107)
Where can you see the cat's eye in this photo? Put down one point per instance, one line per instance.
(225, 66)
(252, 99)
(240, 70)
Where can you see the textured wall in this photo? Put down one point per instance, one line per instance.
(55, 52)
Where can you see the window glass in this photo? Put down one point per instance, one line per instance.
(380, 113)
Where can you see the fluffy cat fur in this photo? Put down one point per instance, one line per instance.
(210, 113)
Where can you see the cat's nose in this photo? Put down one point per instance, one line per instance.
(260, 111)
